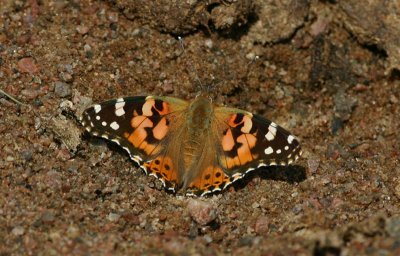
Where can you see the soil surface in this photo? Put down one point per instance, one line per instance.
(328, 71)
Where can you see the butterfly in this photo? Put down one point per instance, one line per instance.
(194, 146)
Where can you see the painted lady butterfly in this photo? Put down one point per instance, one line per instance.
(194, 146)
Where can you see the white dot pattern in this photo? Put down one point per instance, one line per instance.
(97, 108)
(119, 107)
(268, 151)
(114, 125)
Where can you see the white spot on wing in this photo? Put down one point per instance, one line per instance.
(268, 151)
(114, 125)
(143, 168)
(278, 151)
(269, 136)
(97, 118)
(237, 175)
(120, 112)
(119, 107)
(261, 165)
(271, 131)
(115, 141)
(286, 147)
(138, 158)
(290, 139)
(104, 123)
(249, 170)
(97, 108)
(272, 128)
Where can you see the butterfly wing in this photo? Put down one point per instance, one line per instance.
(142, 126)
(244, 142)
(248, 141)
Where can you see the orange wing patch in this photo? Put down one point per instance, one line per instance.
(139, 122)
(237, 120)
(212, 179)
(238, 142)
(243, 154)
(162, 168)
(150, 106)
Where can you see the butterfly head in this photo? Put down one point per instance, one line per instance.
(204, 96)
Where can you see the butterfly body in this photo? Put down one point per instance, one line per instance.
(195, 146)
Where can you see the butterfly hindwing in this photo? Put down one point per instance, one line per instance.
(140, 125)
(211, 180)
(250, 141)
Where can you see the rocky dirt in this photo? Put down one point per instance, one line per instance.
(328, 71)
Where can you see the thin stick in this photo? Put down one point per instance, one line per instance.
(11, 97)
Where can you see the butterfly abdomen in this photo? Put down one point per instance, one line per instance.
(196, 139)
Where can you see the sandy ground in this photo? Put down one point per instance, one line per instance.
(328, 71)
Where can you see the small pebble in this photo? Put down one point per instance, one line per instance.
(209, 43)
(251, 56)
(87, 48)
(114, 217)
(66, 77)
(313, 164)
(27, 65)
(73, 232)
(397, 189)
(48, 217)
(27, 155)
(62, 89)
(113, 16)
(393, 226)
(81, 29)
(393, 99)
(202, 212)
(167, 88)
(297, 209)
(30, 93)
(319, 26)
(262, 225)
(18, 231)
(207, 239)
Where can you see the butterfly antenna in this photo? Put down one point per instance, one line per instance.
(191, 67)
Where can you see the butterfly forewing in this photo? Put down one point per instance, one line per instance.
(250, 141)
(140, 125)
